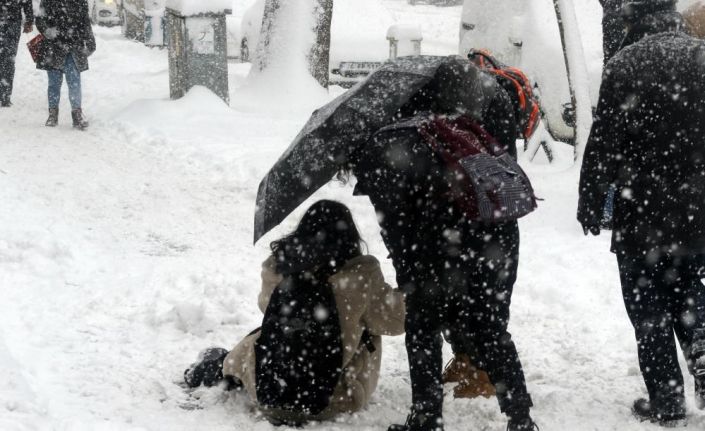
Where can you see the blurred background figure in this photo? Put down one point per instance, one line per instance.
(11, 25)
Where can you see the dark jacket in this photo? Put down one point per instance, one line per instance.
(67, 28)
(11, 10)
(407, 185)
(648, 139)
(612, 27)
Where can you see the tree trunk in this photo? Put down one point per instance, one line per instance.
(269, 21)
(277, 18)
(319, 58)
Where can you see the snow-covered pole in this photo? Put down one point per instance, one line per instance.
(577, 73)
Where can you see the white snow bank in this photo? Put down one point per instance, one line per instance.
(198, 107)
(17, 400)
(195, 7)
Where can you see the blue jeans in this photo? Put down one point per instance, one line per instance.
(73, 80)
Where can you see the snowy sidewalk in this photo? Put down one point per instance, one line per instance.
(126, 249)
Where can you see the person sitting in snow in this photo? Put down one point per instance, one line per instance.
(326, 306)
(647, 141)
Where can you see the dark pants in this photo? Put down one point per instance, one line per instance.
(469, 293)
(10, 31)
(663, 296)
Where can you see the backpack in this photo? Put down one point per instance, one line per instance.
(487, 183)
(299, 353)
(512, 79)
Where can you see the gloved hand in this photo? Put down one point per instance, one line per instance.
(28, 27)
(593, 229)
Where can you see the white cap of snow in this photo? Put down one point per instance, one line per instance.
(405, 32)
(195, 7)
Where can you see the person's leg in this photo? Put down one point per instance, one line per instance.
(646, 299)
(424, 344)
(491, 273)
(73, 81)
(9, 38)
(688, 309)
(56, 79)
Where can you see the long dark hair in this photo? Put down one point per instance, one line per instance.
(325, 239)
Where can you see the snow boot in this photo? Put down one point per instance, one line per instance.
(525, 424)
(78, 121)
(5, 104)
(208, 368)
(666, 416)
(419, 421)
(53, 119)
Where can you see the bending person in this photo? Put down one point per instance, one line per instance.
(342, 308)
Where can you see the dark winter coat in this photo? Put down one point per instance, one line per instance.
(648, 139)
(67, 28)
(612, 27)
(406, 183)
(11, 10)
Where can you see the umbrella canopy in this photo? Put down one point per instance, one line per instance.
(334, 132)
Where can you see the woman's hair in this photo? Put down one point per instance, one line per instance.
(326, 238)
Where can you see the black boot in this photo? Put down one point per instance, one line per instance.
(53, 119)
(671, 415)
(418, 421)
(5, 104)
(78, 121)
(208, 368)
(526, 424)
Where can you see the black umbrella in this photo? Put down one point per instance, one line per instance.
(335, 131)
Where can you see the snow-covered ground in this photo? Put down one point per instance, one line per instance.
(126, 249)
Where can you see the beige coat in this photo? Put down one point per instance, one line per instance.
(364, 301)
(695, 19)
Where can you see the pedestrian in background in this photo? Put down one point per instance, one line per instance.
(11, 24)
(612, 27)
(647, 141)
(69, 41)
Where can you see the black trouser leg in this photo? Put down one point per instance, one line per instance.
(490, 273)
(655, 300)
(9, 39)
(424, 344)
(687, 301)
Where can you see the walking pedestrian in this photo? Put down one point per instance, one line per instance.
(647, 142)
(11, 24)
(69, 41)
(612, 27)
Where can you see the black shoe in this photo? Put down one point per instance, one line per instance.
(53, 119)
(79, 122)
(666, 416)
(525, 424)
(418, 421)
(208, 368)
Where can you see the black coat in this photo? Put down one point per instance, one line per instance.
(11, 10)
(67, 28)
(648, 139)
(612, 27)
(406, 184)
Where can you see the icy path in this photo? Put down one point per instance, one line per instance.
(126, 249)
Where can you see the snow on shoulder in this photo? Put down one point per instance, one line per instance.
(195, 7)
